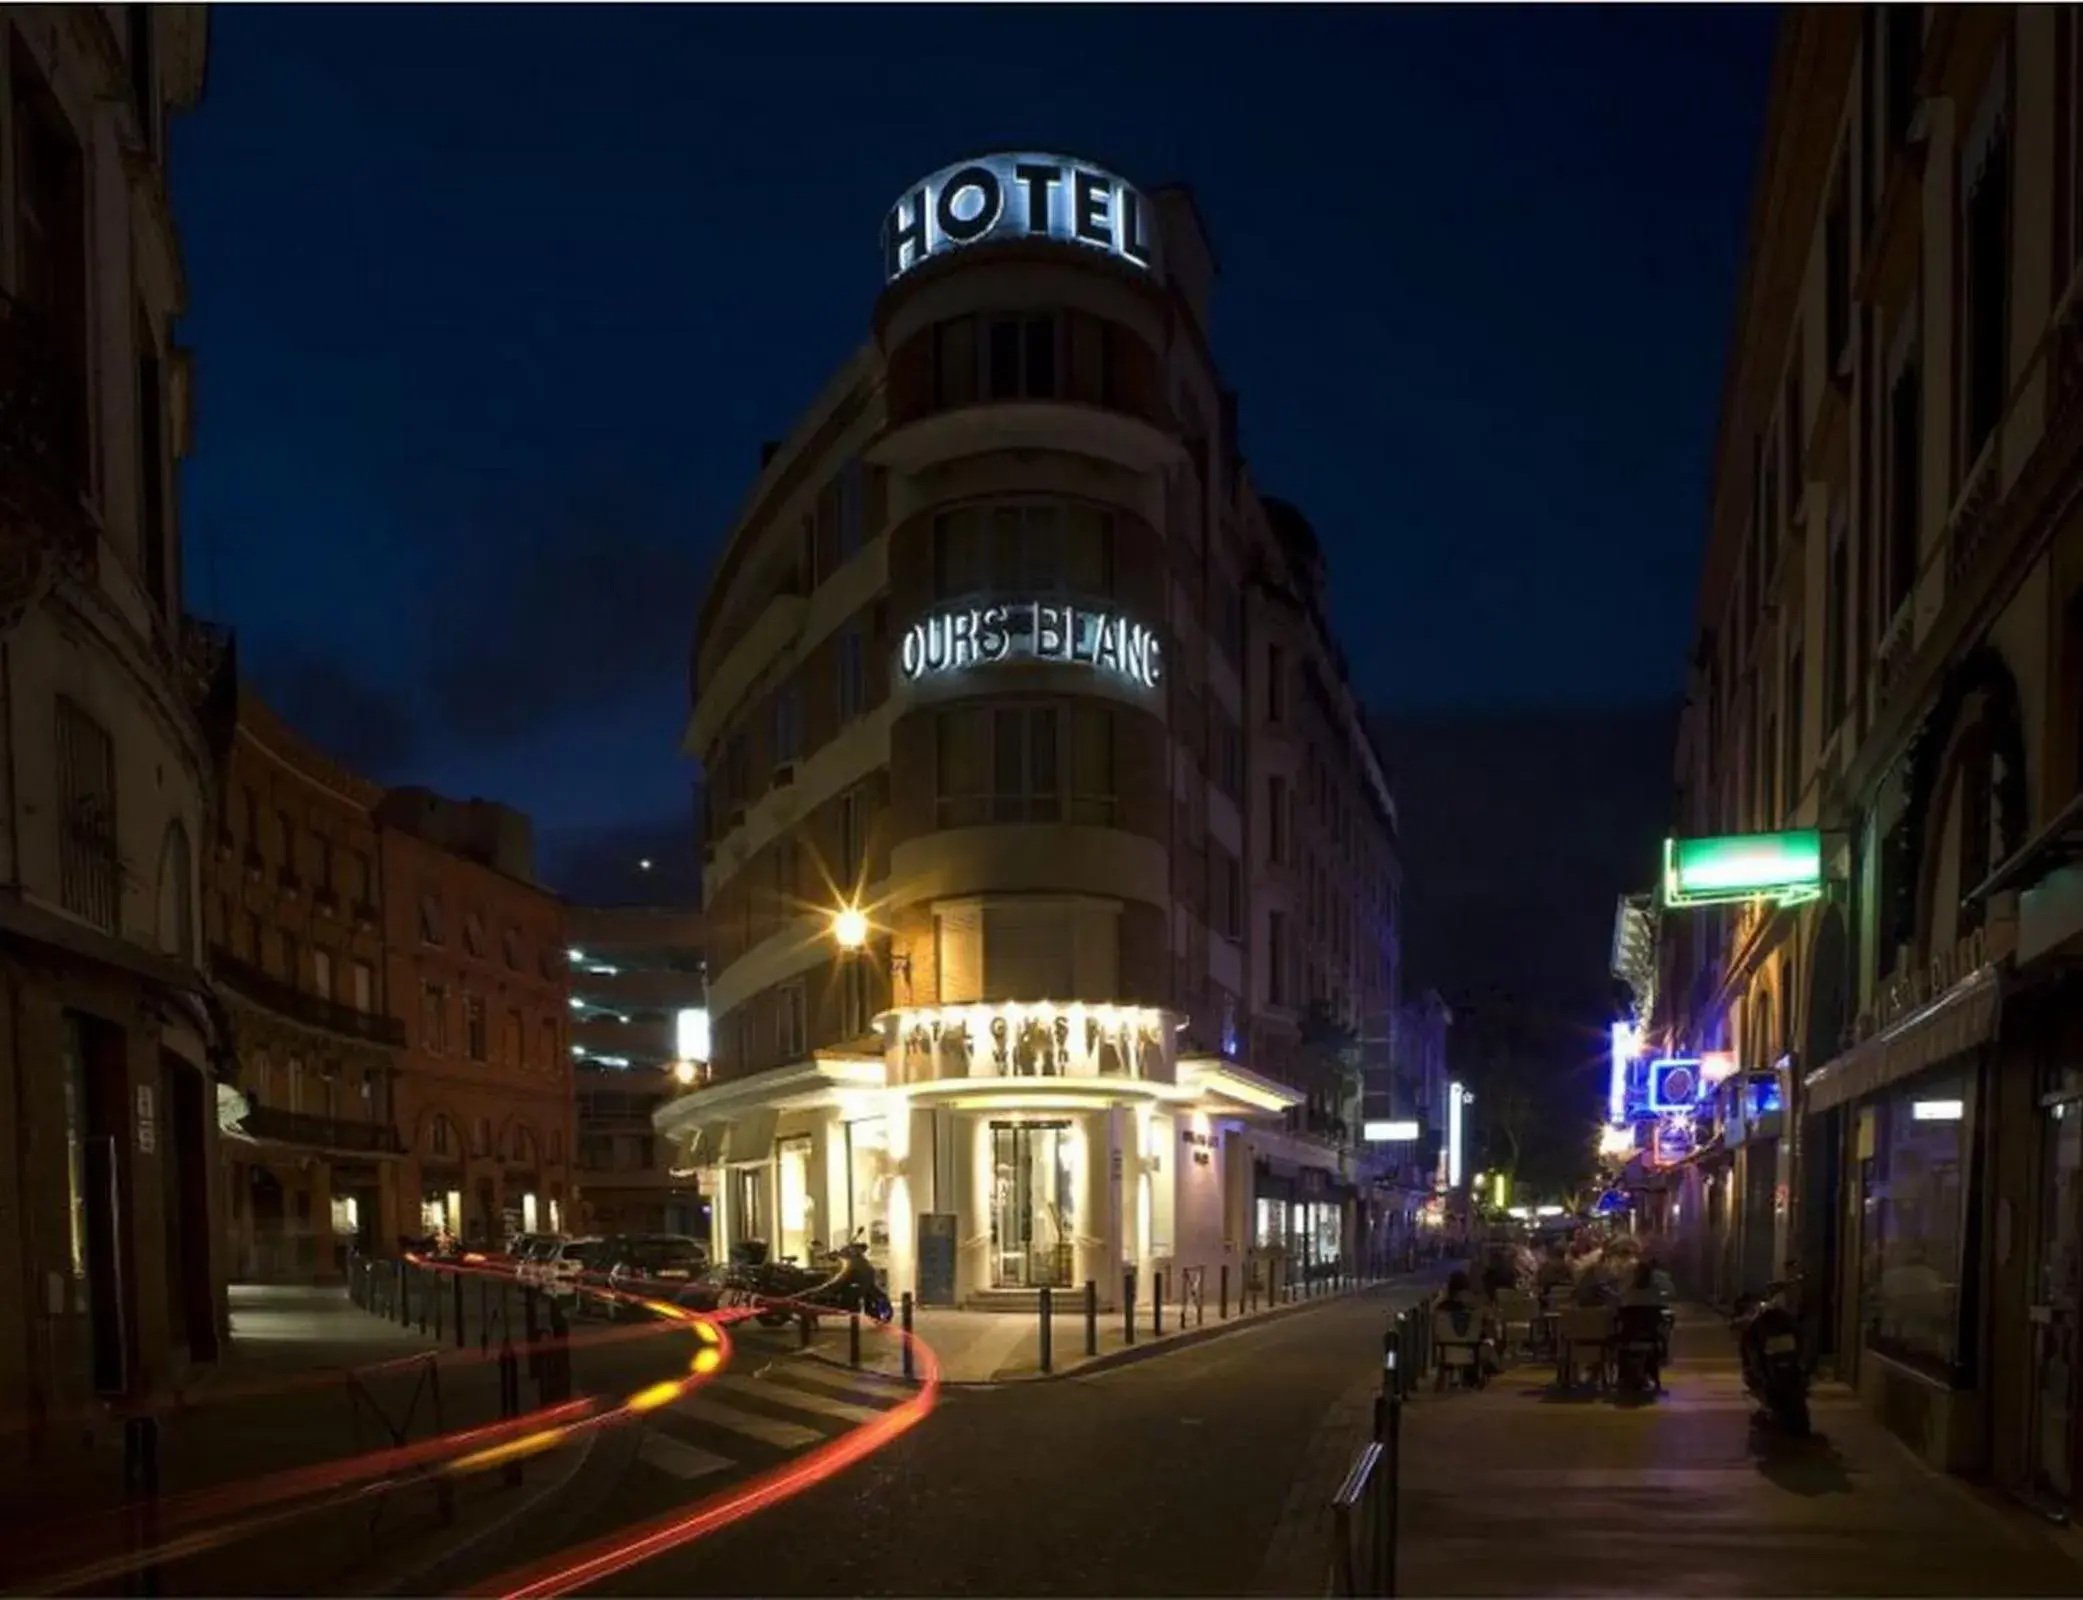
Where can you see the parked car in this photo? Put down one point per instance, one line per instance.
(657, 1263)
(557, 1267)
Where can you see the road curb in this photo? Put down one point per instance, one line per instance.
(1127, 1355)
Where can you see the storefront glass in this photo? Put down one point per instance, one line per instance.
(1271, 1224)
(1032, 1205)
(750, 1215)
(867, 1162)
(792, 1181)
(1915, 1189)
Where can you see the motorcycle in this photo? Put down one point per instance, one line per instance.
(857, 1286)
(1769, 1338)
(751, 1279)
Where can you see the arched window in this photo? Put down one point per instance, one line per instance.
(176, 894)
(441, 1137)
(259, 1085)
(522, 1153)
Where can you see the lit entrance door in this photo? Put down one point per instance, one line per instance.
(1032, 1207)
(2057, 1291)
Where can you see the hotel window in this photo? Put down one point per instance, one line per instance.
(286, 845)
(1278, 820)
(321, 973)
(548, 1033)
(429, 919)
(853, 840)
(1278, 954)
(322, 861)
(1276, 683)
(474, 1027)
(850, 670)
(256, 939)
(1228, 741)
(1986, 254)
(514, 1046)
(788, 724)
(1022, 549)
(433, 1017)
(292, 959)
(1905, 485)
(1092, 790)
(998, 766)
(1019, 358)
(364, 986)
(791, 1021)
(1225, 893)
(856, 999)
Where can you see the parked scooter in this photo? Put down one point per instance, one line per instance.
(1769, 1337)
(857, 1286)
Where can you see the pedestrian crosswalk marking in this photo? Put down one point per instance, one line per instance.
(781, 1394)
(681, 1460)
(862, 1382)
(768, 1430)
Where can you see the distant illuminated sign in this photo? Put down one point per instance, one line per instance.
(971, 636)
(1626, 1045)
(1784, 867)
(1674, 1085)
(1022, 195)
(691, 1034)
(1388, 1132)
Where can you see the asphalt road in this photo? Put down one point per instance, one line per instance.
(1201, 1471)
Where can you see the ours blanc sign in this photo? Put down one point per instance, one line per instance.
(1018, 196)
(970, 636)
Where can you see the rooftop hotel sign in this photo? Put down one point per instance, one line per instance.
(1019, 196)
(982, 636)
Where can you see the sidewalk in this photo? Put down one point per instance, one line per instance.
(1513, 1490)
(308, 1378)
(984, 1347)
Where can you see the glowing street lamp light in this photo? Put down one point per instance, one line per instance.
(850, 928)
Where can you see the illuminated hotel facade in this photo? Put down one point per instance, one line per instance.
(1050, 879)
(1888, 677)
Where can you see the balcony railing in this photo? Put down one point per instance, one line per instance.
(323, 1133)
(315, 1011)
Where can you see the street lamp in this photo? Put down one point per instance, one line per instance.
(850, 928)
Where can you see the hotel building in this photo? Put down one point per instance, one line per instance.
(1051, 885)
(1890, 654)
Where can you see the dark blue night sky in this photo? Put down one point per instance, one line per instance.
(493, 307)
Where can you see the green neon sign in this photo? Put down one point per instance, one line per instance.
(1784, 867)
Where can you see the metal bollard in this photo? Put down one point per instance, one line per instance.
(1128, 1304)
(904, 1314)
(1200, 1298)
(423, 1298)
(141, 1485)
(484, 1315)
(1222, 1298)
(1392, 1362)
(1091, 1318)
(803, 1330)
(1048, 1329)
(534, 1336)
(853, 1338)
(1157, 1305)
(460, 1335)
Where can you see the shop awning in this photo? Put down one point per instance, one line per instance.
(1958, 1020)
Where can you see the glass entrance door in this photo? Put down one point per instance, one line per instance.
(2055, 1303)
(1031, 1205)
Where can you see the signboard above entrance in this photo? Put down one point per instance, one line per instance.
(1783, 867)
(972, 636)
(1021, 195)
